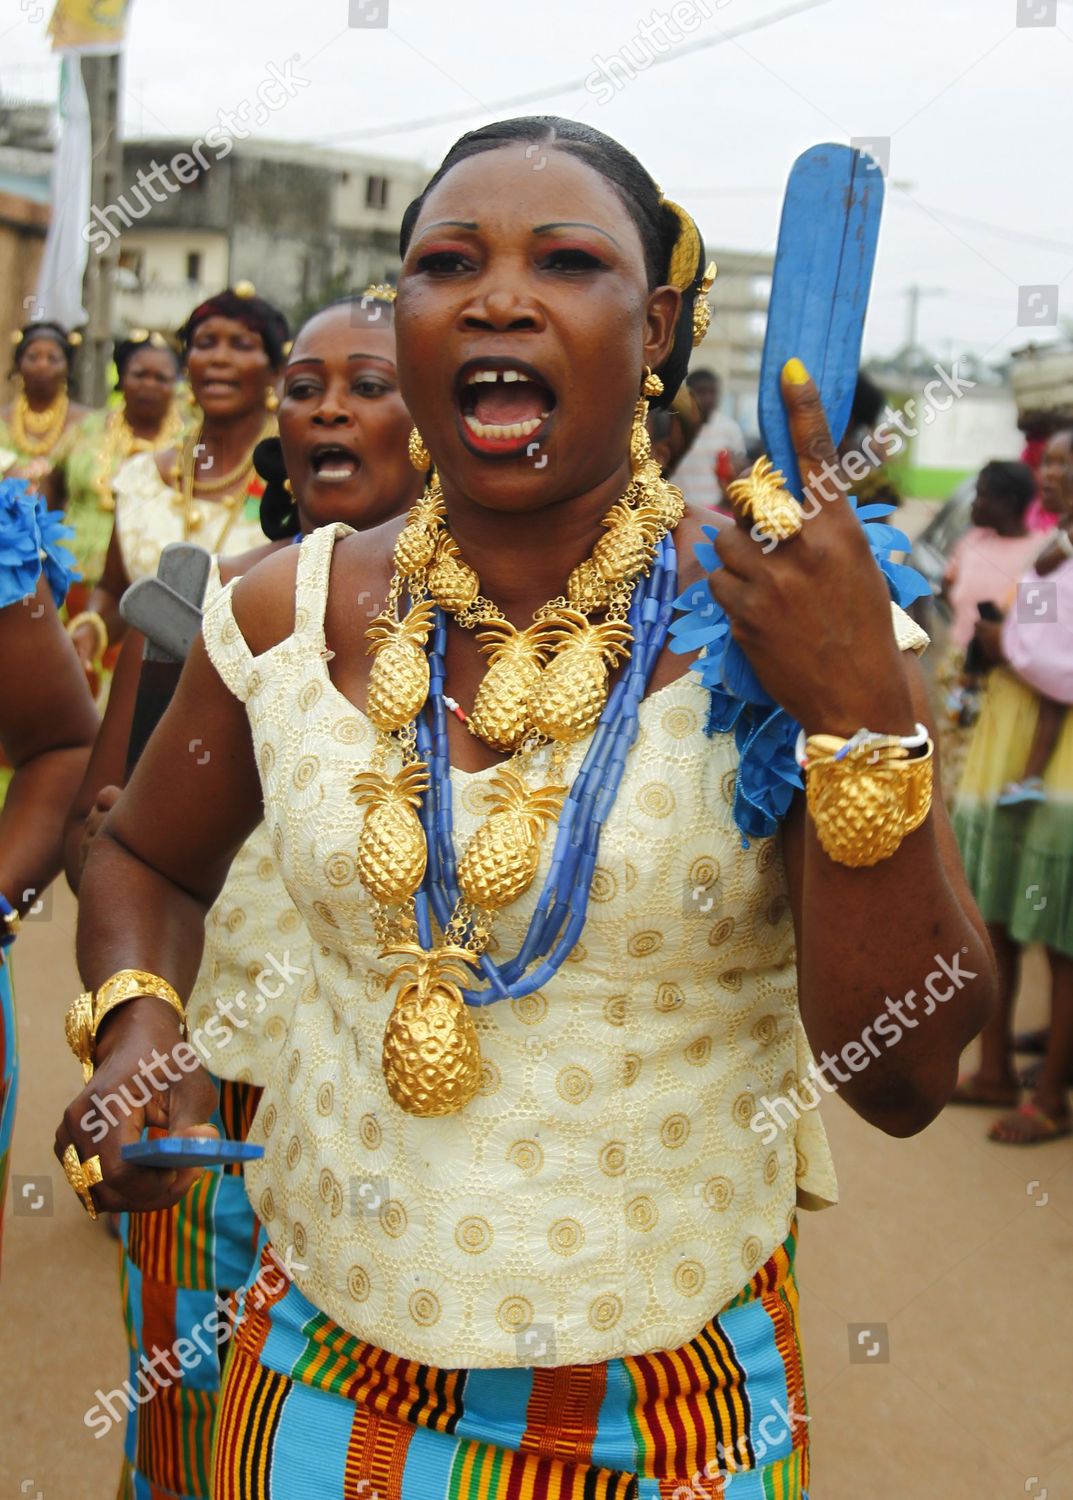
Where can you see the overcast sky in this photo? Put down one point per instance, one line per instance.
(979, 111)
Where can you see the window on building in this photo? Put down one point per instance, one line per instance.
(376, 192)
(193, 265)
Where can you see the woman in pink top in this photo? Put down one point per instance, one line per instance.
(984, 568)
(994, 553)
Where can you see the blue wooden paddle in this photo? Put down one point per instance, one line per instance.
(819, 290)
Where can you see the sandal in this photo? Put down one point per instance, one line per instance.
(1029, 1126)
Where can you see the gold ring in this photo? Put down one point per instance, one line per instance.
(91, 1171)
(763, 498)
(77, 1177)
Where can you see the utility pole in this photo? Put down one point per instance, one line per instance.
(914, 294)
(101, 77)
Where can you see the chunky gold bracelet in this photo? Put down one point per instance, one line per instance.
(91, 617)
(134, 984)
(86, 1012)
(866, 794)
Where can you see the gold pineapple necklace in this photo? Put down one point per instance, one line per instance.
(547, 686)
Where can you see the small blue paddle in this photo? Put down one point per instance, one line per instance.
(174, 1151)
(819, 290)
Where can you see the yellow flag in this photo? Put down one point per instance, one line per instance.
(88, 25)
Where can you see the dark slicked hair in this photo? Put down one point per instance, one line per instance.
(656, 222)
(1013, 481)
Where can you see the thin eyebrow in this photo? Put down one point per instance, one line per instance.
(578, 224)
(449, 224)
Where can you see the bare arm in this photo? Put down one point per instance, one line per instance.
(107, 763)
(866, 935)
(813, 615)
(104, 601)
(157, 865)
(47, 725)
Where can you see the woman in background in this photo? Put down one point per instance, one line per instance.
(205, 490)
(37, 426)
(148, 420)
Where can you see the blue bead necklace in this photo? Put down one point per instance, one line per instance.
(557, 922)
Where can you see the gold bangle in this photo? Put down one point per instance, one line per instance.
(78, 1028)
(865, 802)
(91, 617)
(134, 984)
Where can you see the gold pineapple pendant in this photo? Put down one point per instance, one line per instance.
(763, 497)
(500, 714)
(399, 680)
(627, 548)
(431, 1057)
(502, 857)
(415, 545)
(572, 691)
(587, 588)
(392, 850)
(451, 582)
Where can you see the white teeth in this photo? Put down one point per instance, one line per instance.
(503, 430)
(489, 377)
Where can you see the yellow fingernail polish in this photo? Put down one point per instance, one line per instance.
(794, 371)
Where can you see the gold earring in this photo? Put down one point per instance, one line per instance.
(640, 442)
(419, 454)
(271, 400)
(287, 487)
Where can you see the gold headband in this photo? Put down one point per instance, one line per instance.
(685, 263)
(685, 257)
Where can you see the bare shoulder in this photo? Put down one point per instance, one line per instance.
(166, 461)
(243, 562)
(358, 584)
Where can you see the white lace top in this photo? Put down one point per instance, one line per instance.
(255, 944)
(148, 516)
(604, 1193)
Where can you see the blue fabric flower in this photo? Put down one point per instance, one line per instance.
(31, 539)
(765, 734)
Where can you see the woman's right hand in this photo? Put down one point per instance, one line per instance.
(145, 1076)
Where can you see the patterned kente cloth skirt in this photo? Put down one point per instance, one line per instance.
(308, 1412)
(180, 1270)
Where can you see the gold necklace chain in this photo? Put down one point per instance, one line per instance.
(38, 432)
(193, 515)
(122, 442)
(546, 685)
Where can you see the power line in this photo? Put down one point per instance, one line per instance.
(999, 230)
(534, 96)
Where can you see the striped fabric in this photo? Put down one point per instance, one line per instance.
(175, 1265)
(309, 1411)
(9, 1078)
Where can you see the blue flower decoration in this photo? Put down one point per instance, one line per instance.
(765, 734)
(31, 540)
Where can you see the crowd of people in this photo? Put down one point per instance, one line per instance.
(419, 922)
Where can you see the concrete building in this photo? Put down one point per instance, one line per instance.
(303, 224)
(25, 161)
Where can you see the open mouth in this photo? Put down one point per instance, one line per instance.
(219, 387)
(334, 464)
(504, 405)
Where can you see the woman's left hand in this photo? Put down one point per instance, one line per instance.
(813, 613)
